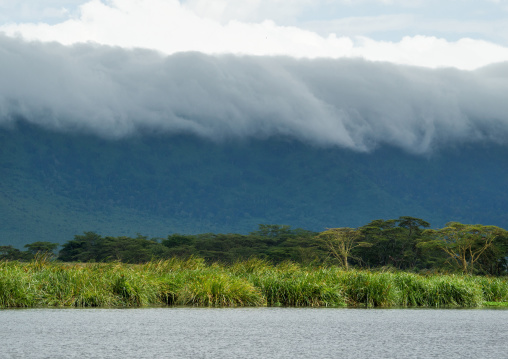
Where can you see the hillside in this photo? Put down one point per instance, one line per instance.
(54, 185)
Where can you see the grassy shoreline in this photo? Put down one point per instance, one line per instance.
(42, 283)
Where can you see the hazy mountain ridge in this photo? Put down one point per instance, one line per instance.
(54, 185)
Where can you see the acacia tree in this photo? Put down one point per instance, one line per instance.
(494, 261)
(464, 243)
(341, 241)
(42, 248)
(10, 253)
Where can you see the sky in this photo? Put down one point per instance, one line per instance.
(357, 74)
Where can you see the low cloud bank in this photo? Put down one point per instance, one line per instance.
(349, 103)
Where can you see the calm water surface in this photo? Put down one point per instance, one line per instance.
(253, 333)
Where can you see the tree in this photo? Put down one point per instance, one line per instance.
(494, 261)
(275, 233)
(10, 253)
(341, 241)
(83, 248)
(412, 224)
(464, 243)
(414, 228)
(382, 236)
(394, 242)
(42, 248)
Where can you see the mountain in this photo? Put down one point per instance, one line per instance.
(54, 185)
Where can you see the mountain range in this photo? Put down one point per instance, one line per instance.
(56, 184)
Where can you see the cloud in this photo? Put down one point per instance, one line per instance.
(250, 10)
(170, 27)
(391, 26)
(351, 103)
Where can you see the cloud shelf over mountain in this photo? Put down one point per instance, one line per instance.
(351, 103)
(359, 75)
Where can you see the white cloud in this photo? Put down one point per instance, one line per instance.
(250, 10)
(364, 25)
(169, 27)
(346, 102)
(432, 52)
(308, 84)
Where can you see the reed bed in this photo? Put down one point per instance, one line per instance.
(42, 283)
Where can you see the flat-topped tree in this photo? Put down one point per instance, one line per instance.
(341, 241)
(42, 247)
(464, 243)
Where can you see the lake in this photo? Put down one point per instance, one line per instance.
(253, 333)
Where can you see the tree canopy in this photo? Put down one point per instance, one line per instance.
(405, 243)
(464, 243)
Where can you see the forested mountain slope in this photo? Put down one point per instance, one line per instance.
(54, 185)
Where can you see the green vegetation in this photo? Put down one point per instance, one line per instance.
(385, 263)
(341, 242)
(400, 244)
(465, 244)
(42, 283)
(496, 304)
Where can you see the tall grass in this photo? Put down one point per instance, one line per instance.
(42, 283)
(290, 285)
(493, 289)
(437, 290)
(370, 289)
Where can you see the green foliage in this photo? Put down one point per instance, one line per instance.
(394, 243)
(34, 250)
(341, 242)
(289, 285)
(438, 290)
(11, 253)
(43, 283)
(465, 244)
(495, 304)
(370, 289)
(217, 288)
(42, 247)
(400, 244)
(92, 247)
(493, 289)
(274, 243)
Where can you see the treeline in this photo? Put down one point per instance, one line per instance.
(274, 243)
(405, 243)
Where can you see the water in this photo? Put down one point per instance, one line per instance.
(253, 333)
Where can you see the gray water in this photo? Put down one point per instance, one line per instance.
(253, 333)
